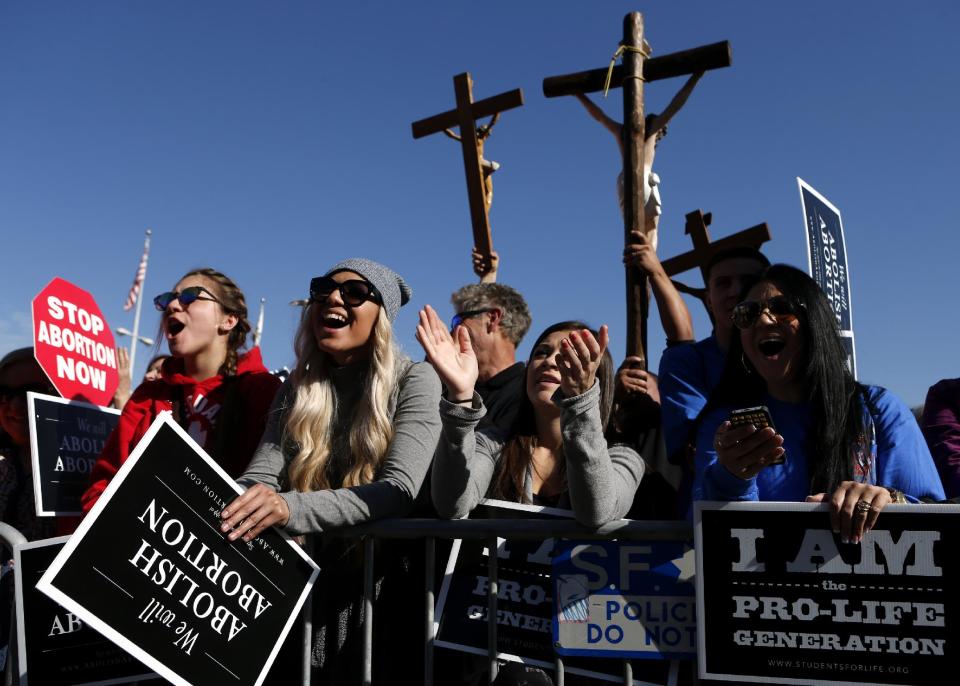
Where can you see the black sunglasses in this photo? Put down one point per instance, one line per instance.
(458, 318)
(353, 292)
(186, 296)
(780, 307)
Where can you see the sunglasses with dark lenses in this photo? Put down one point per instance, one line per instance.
(780, 307)
(186, 296)
(8, 393)
(458, 318)
(353, 292)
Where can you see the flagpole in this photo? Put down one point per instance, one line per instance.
(135, 338)
(258, 332)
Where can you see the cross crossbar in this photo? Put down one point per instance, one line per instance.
(704, 58)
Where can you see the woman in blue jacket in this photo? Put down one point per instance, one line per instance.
(857, 447)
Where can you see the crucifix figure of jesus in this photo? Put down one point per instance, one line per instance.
(630, 77)
(655, 128)
(479, 171)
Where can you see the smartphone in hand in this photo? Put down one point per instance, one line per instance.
(758, 416)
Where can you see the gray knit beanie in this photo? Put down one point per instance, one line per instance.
(392, 288)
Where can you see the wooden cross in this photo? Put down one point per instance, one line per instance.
(630, 76)
(704, 249)
(465, 117)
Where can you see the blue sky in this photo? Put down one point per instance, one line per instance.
(271, 140)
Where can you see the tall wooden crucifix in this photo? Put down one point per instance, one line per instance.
(704, 249)
(630, 76)
(465, 117)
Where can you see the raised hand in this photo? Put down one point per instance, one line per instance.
(580, 355)
(641, 254)
(486, 267)
(632, 380)
(454, 359)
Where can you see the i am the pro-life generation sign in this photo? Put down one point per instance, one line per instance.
(73, 344)
(66, 437)
(149, 569)
(780, 599)
(625, 599)
(827, 261)
(56, 647)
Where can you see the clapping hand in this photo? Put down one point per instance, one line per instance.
(453, 358)
(580, 355)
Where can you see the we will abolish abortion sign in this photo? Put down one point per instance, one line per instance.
(149, 569)
(781, 599)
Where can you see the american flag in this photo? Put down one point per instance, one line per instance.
(138, 280)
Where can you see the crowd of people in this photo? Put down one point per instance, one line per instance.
(360, 432)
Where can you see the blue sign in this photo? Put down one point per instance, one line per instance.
(827, 261)
(625, 599)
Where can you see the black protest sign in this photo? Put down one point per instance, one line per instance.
(827, 260)
(56, 648)
(150, 570)
(66, 437)
(524, 601)
(781, 599)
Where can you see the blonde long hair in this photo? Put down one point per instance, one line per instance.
(308, 430)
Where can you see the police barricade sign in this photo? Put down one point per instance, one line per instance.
(73, 344)
(149, 569)
(625, 599)
(66, 437)
(827, 261)
(780, 598)
(57, 648)
(524, 602)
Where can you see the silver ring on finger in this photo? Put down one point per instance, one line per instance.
(862, 507)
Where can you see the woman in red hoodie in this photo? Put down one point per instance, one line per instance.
(219, 395)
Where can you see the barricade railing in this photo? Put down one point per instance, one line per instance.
(490, 530)
(11, 537)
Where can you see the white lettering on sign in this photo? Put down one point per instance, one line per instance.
(863, 644)
(73, 342)
(818, 553)
(90, 323)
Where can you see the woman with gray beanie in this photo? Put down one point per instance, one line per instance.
(350, 439)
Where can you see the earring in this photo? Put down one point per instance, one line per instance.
(746, 365)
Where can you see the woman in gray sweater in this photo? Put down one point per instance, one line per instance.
(556, 453)
(349, 439)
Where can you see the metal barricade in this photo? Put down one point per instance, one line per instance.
(11, 537)
(491, 530)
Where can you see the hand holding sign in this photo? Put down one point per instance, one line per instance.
(854, 508)
(252, 512)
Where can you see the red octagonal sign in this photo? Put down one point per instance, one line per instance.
(73, 344)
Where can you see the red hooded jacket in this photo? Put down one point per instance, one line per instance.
(197, 407)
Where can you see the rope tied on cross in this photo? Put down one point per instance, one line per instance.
(643, 50)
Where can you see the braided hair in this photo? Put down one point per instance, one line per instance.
(232, 301)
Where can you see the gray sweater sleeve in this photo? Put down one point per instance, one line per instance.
(465, 459)
(602, 481)
(416, 429)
